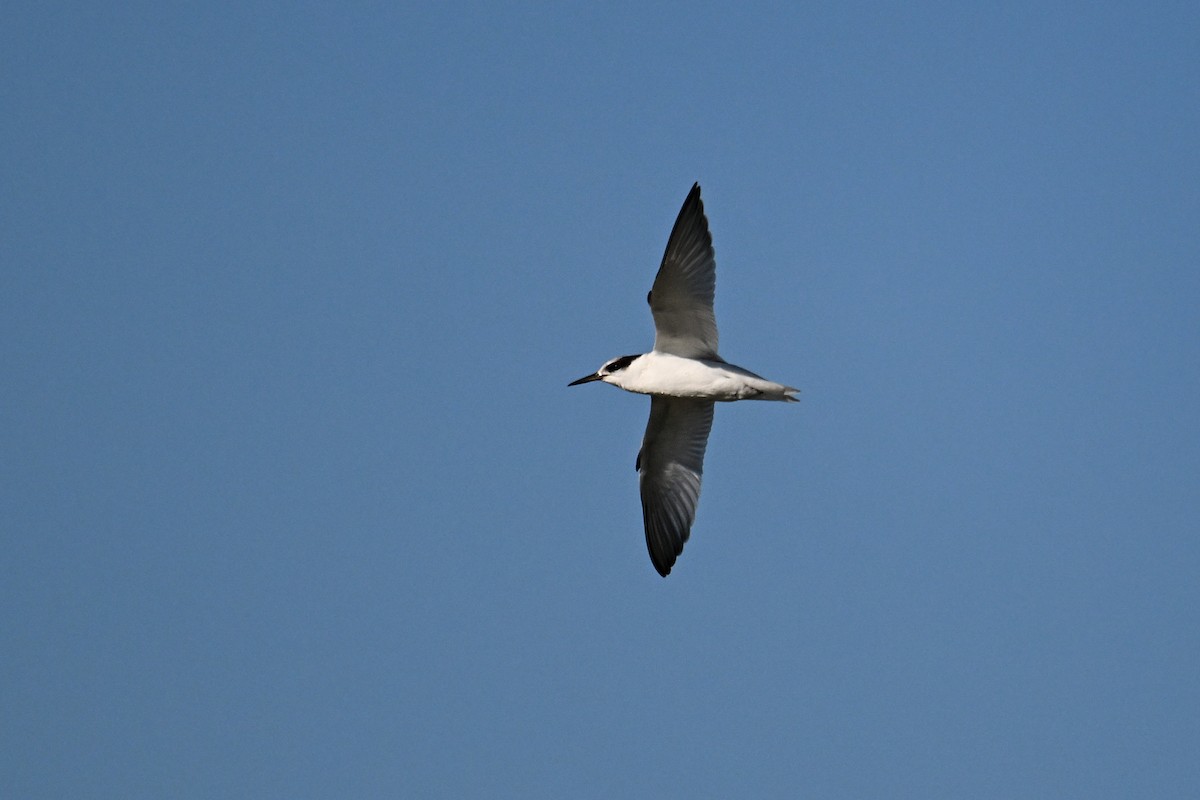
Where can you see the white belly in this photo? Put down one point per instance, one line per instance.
(663, 374)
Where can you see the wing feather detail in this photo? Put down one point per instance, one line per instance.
(670, 464)
(681, 299)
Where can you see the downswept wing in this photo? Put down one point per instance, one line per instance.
(670, 464)
(681, 299)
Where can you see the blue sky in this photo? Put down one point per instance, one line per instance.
(296, 502)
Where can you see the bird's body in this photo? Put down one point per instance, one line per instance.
(684, 376)
(656, 373)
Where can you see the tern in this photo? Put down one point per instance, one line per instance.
(684, 377)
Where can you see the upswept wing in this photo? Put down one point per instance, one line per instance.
(670, 464)
(681, 299)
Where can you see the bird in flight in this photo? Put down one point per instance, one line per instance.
(684, 377)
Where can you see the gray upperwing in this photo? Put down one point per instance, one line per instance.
(681, 299)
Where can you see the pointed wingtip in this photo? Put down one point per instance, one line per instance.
(694, 200)
(663, 551)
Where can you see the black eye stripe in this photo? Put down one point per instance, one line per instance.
(618, 364)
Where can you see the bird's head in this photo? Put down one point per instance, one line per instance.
(610, 369)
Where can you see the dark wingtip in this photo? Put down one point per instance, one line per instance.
(663, 554)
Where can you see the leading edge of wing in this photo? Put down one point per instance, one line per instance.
(681, 299)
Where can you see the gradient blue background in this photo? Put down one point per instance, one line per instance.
(296, 502)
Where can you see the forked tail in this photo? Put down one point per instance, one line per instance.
(775, 391)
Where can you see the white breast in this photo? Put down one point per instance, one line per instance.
(664, 374)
